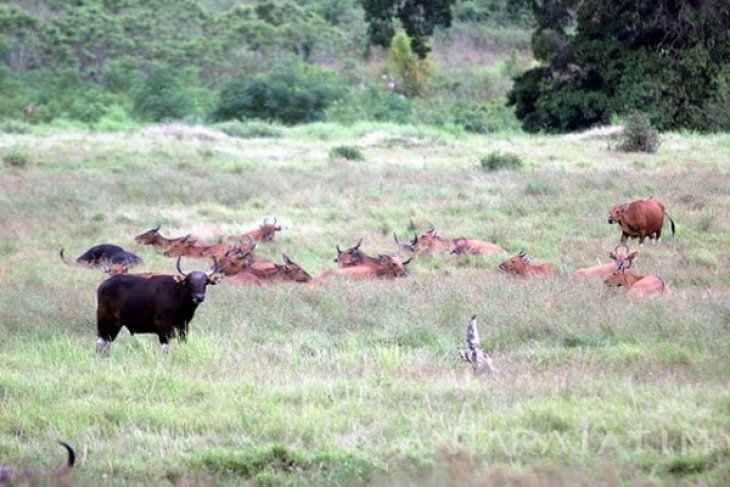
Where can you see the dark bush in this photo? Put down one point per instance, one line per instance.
(162, 96)
(14, 127)
(290, 94)
(638, 135)
(348, 152)
(250, 130)
(15, 159)
(500, 160)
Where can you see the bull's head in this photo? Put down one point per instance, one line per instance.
(268, 230)
(294, 271)
(115, 269)
(349, 257)
(622, 257)
(196, 281)
(459, 246)
(234, 261)
(393, 266)
(517, 264)
(149, 237)
(615, 214)
(406, 246)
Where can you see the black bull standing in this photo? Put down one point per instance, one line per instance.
(159, 304)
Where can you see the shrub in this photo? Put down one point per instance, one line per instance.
(501, 160)
(162, 96)
(638, 135)
(292, 93)
(16, 159)
(348, 152)
(412, 71)
(250, 129)
(14, 127)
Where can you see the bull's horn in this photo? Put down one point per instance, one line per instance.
(274, 221)
(405, 263)
(397, 242)
(287, 259)
(522, 253)
(359, 243)
(431, 228)
(415, 239)
(157, 228)
(338, 249)
(215, 269)
(178, 266)
(621, 245)
(63, 257)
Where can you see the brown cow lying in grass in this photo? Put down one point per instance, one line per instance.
(264, 233)
(387, 267)
(153, 237)
(640, 286)
(263, 271)
(30, 476)
(463, 245)
(217, 251)
(519, 265)
(620, 256)
(354, 257)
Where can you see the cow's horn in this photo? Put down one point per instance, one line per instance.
(287, 259)
(621, 245)
(338, 249)
(395, 236)
(405, 263)
(522, 253)
(359, 243)
(178, 266)
(157, 228)
(216, 267)
(274, 221)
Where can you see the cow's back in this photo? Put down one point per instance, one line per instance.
(646, 214)
(648, 286)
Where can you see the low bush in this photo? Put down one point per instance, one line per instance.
(347, 152)
(15, 158)
(14, 127)
(250, 129)
(638, 135)
(501, 160)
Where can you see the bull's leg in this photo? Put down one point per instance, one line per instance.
(658, 235)
(164, 342)
(624, 237)
(108, 326)
(642, 237)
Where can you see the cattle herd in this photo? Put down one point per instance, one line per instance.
(164, 304)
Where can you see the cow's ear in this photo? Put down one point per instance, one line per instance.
(214, 279)
(179, 277)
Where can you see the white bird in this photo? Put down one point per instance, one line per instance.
(480, 361)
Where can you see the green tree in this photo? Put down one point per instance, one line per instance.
(602, 58)
(162, 96)
(419, 18)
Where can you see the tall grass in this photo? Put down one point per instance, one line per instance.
(355, 382)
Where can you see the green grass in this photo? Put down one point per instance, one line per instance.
(355, 382)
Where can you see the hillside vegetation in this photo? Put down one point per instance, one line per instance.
(361, 382)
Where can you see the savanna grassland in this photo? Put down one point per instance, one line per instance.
(361, 382)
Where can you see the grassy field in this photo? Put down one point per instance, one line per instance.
(361, 382)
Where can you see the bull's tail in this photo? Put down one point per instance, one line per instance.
(671, 222)
(66, 467)
(63, 258)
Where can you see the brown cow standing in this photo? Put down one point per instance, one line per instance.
(640, 219)
(519, 265)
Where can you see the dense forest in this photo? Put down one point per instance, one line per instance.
(449, 63)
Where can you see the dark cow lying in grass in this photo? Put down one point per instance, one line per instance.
(32, 476)
(160, 304)
(105, 254)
